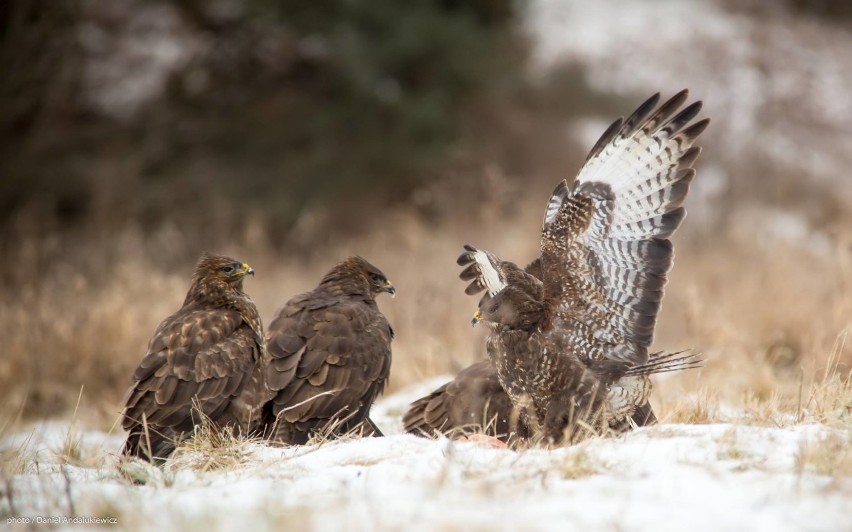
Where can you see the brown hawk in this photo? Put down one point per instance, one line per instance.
(202, 361)
(563, 345)
(475, 401)
(330, 356)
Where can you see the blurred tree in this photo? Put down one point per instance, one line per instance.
(831, 11)
(275, 105)
(39, 61)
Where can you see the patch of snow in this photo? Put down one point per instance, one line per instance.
(668, 477)
(387, 412)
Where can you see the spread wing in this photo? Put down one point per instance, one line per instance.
(474, 401)
(605, 240)
(487, 272)
(329, 360)
(203, 355)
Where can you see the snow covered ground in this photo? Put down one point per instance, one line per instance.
(669, 477)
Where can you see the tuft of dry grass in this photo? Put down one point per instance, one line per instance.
(729, 447)
(772, 411)
(697, 409)
(211, 448)
(579, 463)
(829, 400)
(16, 460)
(830, 455)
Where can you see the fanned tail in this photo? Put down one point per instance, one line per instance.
(665, 362)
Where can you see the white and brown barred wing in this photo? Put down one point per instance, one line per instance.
(605, 240)
(487, 272)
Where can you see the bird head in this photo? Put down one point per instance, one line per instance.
(511, 307)
(216, 274)
(376, 279)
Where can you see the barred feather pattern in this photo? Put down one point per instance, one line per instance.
(531, 375)
(581, 342)
(605, 245)
(634, 388)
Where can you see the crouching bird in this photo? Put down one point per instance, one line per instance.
(330, 357)
(569, 342)
(202, 362)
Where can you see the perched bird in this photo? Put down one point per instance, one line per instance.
(571, 348)
(473, 402)
(203, 361)
(330, 356)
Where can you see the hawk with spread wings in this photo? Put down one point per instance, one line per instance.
(330, 356)
(571, 348)
(203, 361)
(475, 401)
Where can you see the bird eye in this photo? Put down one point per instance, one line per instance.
(492, 309)
(228, 269)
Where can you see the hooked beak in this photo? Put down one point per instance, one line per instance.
(247, 270)
(477, 317)
(389, 288)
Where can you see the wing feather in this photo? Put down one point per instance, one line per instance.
(329, 362)
(203, 355)
(605, 242)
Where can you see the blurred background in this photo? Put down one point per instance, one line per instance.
(137, 134)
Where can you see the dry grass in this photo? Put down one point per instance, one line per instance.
(770, 316)
(211, 448)
(771, 326)
(831, 455)
(699, 408)
(579, 463)
(86, 320)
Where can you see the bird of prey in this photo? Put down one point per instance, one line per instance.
(330, 356)
(475, 401)
(571, 348)
(203, 361)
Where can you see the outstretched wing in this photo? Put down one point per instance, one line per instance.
(486, 271)
(605, 240)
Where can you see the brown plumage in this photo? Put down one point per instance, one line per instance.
(206, 355)
(571, 349)
(475, 401)
(330, 352)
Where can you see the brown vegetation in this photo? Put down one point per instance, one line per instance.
(771, 320)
